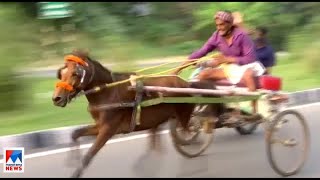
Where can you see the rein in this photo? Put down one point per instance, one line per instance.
(137, 77)
(131, 79)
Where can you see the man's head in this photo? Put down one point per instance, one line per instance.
(261, 37)
(261, 32)
(224, 22)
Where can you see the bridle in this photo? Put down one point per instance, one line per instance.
(81, 70)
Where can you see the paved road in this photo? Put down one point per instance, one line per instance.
(231, 155)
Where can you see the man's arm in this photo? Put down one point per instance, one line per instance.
(209, 46)
(248, 52)
(238, 21)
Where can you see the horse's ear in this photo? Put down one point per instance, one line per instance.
(85, 52)
(81, 52)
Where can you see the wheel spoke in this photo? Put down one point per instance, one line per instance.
(289, 142)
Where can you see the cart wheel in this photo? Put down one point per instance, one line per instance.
(248, 128)
(194, 125)
(200, 136)
(272, 140)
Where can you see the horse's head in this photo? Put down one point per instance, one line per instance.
(74, 76)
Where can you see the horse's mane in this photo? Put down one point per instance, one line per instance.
(116, 76)
(98, 65)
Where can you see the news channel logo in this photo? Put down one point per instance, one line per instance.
(13, 160)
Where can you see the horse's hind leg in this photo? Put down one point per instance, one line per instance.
(105, 132)
(155, 143)
(183, 114)
(90, 130)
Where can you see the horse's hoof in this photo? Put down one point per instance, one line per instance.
(156, 149)
(71, 162)
(73, 159)
(77, 174)
(159, 151)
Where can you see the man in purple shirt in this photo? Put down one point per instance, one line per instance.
(235, 46)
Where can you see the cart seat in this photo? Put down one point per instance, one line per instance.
(266, 82)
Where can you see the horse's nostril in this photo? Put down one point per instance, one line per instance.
(56, 99)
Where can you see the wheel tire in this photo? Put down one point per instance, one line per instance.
(306, 146)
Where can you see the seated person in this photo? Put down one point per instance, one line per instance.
(237, 49)
(265, 53)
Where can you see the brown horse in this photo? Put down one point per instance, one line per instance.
(81, 73)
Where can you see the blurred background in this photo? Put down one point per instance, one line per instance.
(36, 36)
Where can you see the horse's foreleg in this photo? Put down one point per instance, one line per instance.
(106, 131)
(91, 130)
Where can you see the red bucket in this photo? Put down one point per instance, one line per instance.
(269, 82)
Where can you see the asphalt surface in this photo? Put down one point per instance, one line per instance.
(230, 155)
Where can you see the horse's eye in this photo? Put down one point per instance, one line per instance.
(78, 72)
(75, 74)
(59, 74)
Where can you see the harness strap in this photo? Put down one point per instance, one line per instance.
(111, 106)
(135, 119)
(108, 85)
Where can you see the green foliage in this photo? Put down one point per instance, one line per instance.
(112, 31)
(109, 26)
(305, 47)
(95, 19)
(19, 45)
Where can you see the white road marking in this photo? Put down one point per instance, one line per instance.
(84, 146)
(304, 106)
